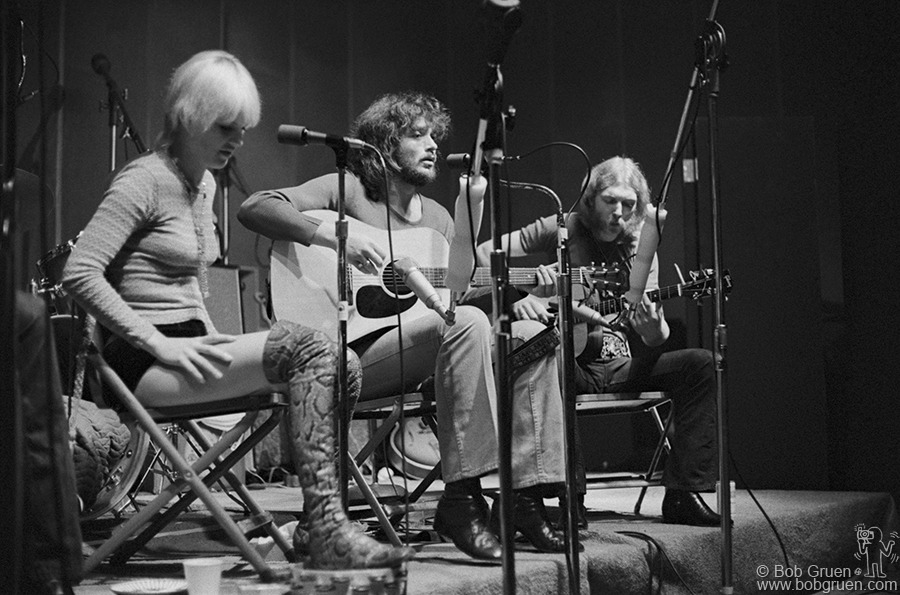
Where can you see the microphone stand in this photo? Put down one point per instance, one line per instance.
(503, 18)
(341, 147)
(567, 386)
(710, 61)
(493, 145)
(340, 231)
(225, 224)
(118, 114)
(713, 60)
(565, 322)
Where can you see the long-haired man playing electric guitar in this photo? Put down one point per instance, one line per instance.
(606, 228)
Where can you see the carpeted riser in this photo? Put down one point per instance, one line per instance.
(818, 528)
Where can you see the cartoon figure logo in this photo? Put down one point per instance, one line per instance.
(872, 550)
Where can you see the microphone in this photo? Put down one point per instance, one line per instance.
(458, 160)
(464, 160)
(502, 20)
(425, 291)
(100, 64)
(643, 258)
(462, 250)
(301, 135)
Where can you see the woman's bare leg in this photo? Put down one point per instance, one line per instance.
(163, 386)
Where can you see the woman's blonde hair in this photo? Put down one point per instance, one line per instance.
(211, 86)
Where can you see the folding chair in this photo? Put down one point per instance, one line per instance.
(629, 403)
(188, 486)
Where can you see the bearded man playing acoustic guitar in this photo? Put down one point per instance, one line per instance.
(406, 128)
(606, 229)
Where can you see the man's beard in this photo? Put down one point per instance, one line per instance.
(601, 226)
(414, 177)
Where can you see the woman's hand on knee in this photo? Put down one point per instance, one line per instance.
(197, 356)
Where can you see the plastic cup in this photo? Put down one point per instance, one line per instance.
(203, 575)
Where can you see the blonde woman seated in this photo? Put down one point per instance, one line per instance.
(141, 270)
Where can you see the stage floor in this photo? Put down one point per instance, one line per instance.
(623, 553)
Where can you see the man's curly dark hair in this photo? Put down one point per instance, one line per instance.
(387, 120)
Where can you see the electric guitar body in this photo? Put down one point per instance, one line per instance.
(588, 339)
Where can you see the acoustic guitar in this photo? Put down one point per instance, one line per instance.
(305, 283)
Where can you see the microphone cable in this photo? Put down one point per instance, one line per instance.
(761, 510)
(661, 550)
(398, 313)
(662, 556)
(581, 151)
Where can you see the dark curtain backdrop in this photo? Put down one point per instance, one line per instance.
(808, 159)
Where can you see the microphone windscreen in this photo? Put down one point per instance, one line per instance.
(462, 258)
(100, 64)
(646, 250)
(458, 160)
(502, 19)
(459, 270)
(292, 135)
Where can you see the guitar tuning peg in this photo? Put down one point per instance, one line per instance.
(588, 280)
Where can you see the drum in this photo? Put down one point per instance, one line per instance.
(120, 479)
(50, 271)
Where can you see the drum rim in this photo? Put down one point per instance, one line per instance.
(111, 495)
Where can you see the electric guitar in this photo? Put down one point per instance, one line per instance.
(305, 289)
(702, 284)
